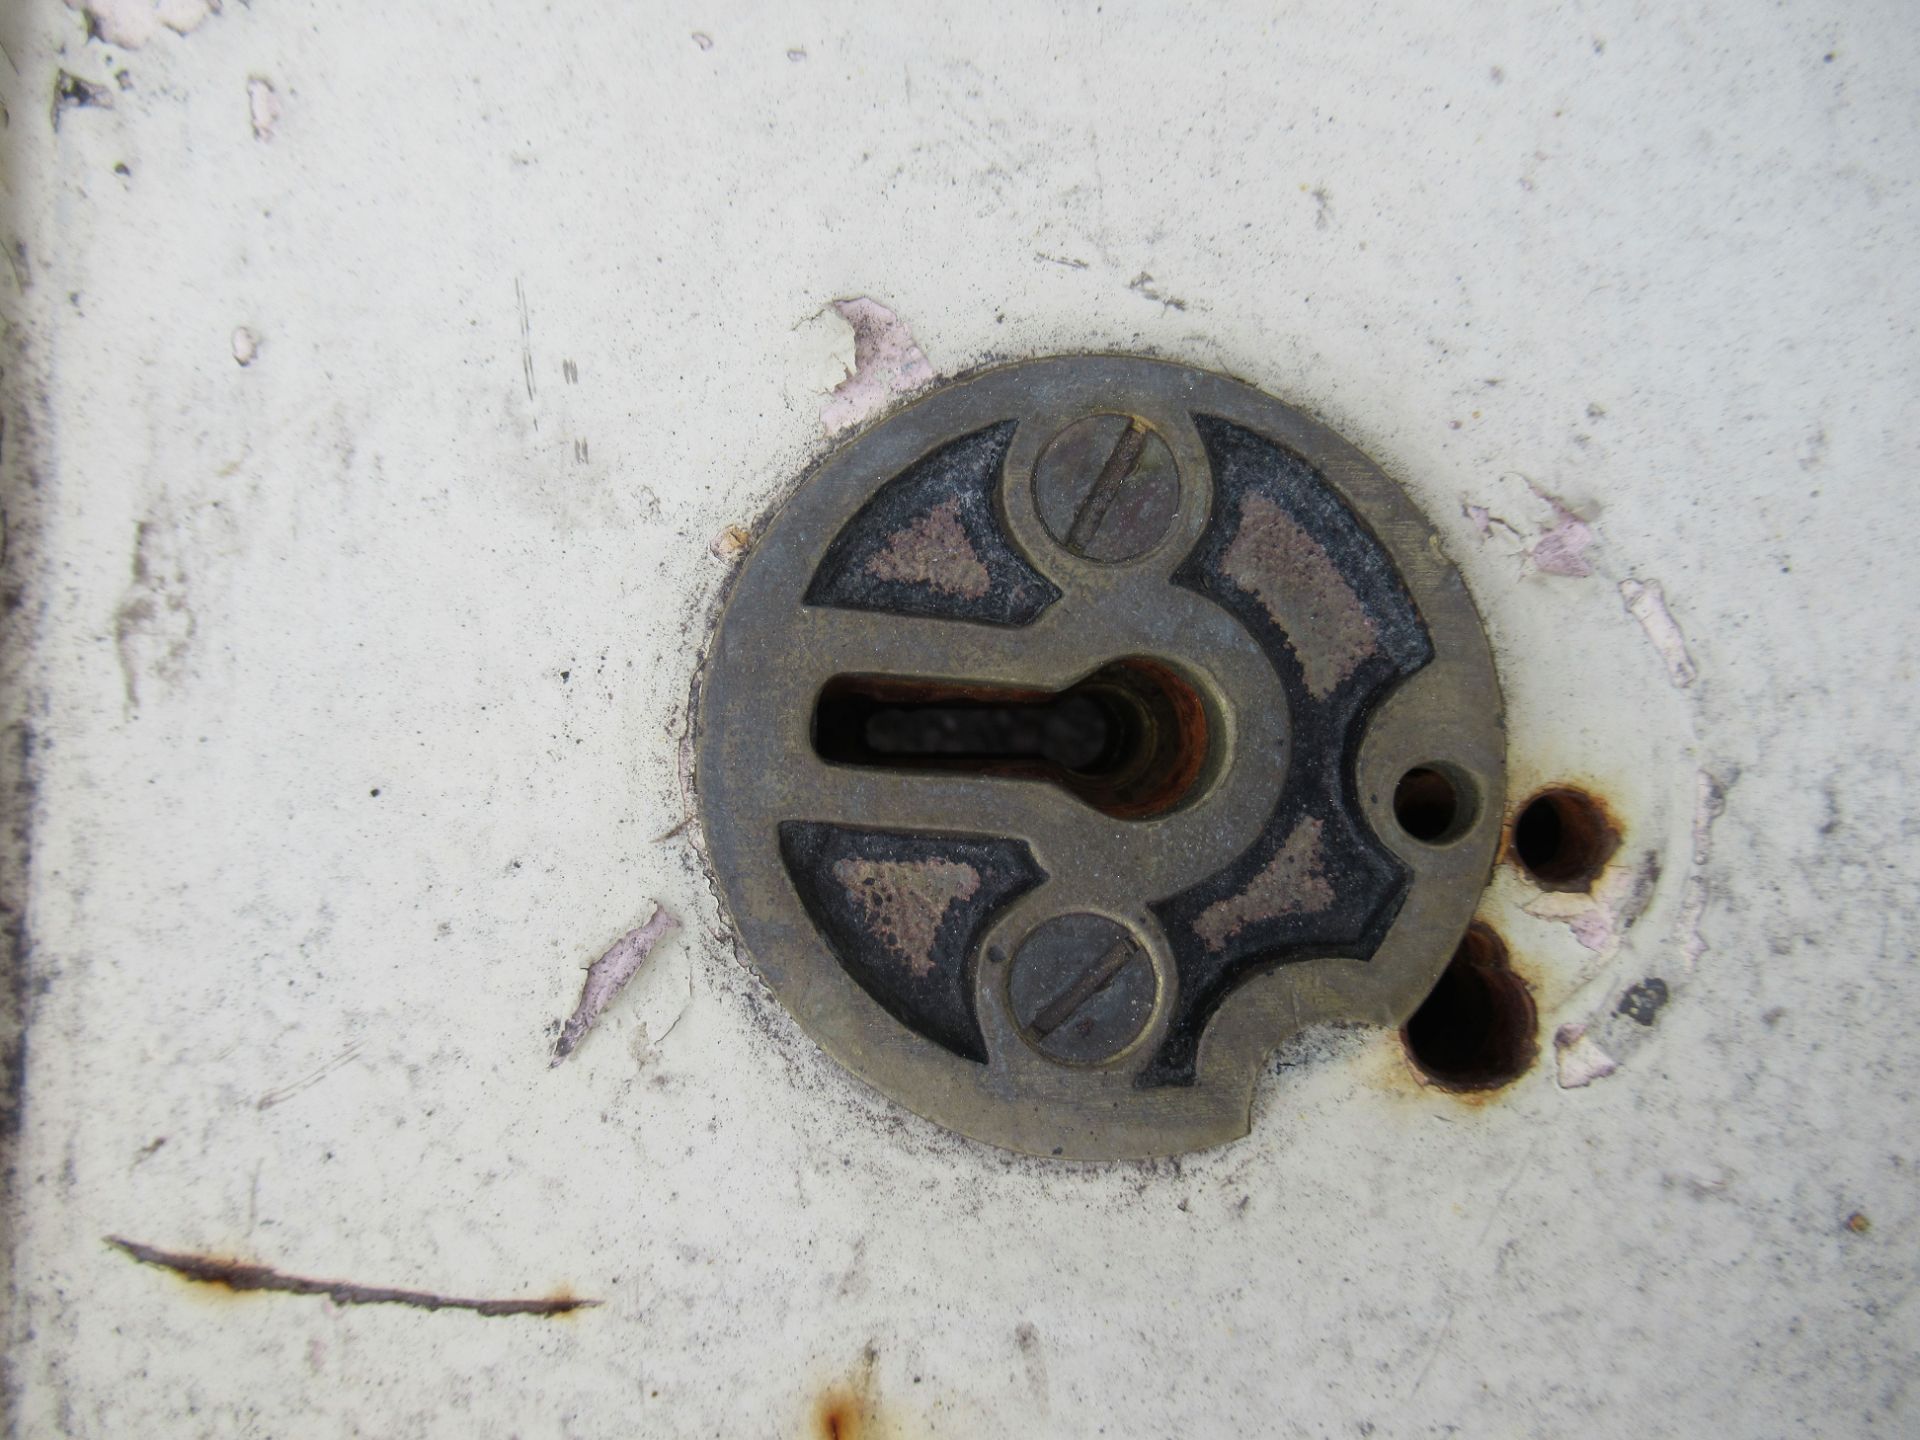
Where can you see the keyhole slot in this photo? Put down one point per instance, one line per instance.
(1130, 740)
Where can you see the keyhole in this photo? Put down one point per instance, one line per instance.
(1129, 739)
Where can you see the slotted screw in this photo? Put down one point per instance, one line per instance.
(1082, 987)
(1106, 488)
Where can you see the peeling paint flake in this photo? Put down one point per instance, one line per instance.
(886, 365)
(130, 24)
(607, 976)
(1579, 1060)
(263, 107)
(1600, 920)
(71, 92)
(1554, 544)
(1648, 604)
(1561, 549)
(154, 627)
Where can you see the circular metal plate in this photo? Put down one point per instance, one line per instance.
(1092, 958)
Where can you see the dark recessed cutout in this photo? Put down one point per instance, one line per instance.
(1563, 839)
(1476, 1030)
(1431, 805)
(1130, 739)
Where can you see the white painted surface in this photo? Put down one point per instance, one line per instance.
(529, 293)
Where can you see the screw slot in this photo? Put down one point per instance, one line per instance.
(1107, 488)
(1476, 1028)
(1082, 989)
(1563, 839)
(1433, 804)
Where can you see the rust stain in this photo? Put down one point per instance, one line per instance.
(934, 550)
(1293, 577)
(839, 1415)
(846, 1409)
(904, 901)
(239, 1276)
(1292, 883)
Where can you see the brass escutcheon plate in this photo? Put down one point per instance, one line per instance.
(1048, 748)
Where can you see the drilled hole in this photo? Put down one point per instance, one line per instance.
(1563, 839)
(1432, 805)
(1130, 739)
(1476, 1029)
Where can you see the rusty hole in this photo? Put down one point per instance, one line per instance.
(1563, 839)
(1476, 1030)
(1433, 804)
(1130, 739)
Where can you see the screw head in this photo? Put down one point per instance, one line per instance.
(1106, 488)
(1082, 988)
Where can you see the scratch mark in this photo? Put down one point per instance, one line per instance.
(526, 337)
(1505, 1190)
(681, 1014)
(1142, 284)
(679, 829)
(607, 976)
(1433, 1354)
(235, 1275)
(1446, 1325)
(1063, 260)
(307, 1082)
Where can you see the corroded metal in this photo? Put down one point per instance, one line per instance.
(1082, 942)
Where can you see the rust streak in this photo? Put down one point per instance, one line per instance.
(934, 550)
(1296, 581)
(1292, 883)
(905, 901)
(838, 1416)
(239, 1276)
